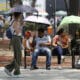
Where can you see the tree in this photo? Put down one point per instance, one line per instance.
(66, 5)
(73, 7)
(15, 2)
(33, 3)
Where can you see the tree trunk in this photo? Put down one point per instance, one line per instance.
(15, 2)
(73, 10)
(66, 5)
(33, 3)
(73, 7)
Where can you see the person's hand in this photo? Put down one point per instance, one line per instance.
(58, 43)
(41, 44)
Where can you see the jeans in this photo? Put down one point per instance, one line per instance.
(37, 51)
(59, 53)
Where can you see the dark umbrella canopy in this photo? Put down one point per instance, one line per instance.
(23, 8)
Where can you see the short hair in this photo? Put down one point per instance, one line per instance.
(28, 33)
(60, 31)
(41, 30)
(17, 14)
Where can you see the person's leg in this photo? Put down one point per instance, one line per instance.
(60, 54)
(10, 66)
(17, 54)
(34, 57)
(47, 51)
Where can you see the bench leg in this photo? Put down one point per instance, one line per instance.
(25, 65)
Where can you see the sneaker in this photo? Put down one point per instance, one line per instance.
(16, 76)
(33, 67)
(59, 67)
(62, 59)
(7, 72)
(48, 68)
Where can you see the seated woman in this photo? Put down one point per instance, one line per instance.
(65, 43)
(57, 43)
(27, 42)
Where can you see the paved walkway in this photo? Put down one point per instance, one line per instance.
(42, 74)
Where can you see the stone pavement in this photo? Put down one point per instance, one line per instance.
(43, 74)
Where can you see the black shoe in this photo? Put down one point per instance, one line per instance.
(33, 67)
(48, 68)
(16, 72)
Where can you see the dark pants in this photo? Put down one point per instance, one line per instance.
(59, 52)
(66, 51)
(15, 64)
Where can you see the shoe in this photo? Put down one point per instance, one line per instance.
(17, 72)
(16, 76)
(33, 67)
(48, 68)
(59, 67)
(62, 59)
(7, 72)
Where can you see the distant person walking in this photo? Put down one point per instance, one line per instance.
(17, 46)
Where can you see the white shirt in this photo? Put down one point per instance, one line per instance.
(28, 41)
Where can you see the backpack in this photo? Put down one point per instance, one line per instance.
(9, 33)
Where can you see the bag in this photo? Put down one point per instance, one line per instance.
(9, 33)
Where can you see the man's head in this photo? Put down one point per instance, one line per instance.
(41, 32)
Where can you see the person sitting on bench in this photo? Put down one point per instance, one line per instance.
(41, 46)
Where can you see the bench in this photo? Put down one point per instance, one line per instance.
(26, 55)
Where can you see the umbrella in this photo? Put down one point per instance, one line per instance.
(23, 8)
(70, 20)
(60, 13)
(37, 19)
(41, 13)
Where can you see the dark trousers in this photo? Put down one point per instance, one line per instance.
(59, 52)
(15, 64)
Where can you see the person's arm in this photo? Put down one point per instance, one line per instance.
(48, 43)
(24, 43)
(54, 41)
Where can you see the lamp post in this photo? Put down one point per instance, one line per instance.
(73, 11)
(54, 17)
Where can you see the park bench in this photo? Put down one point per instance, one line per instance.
(28, 57)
